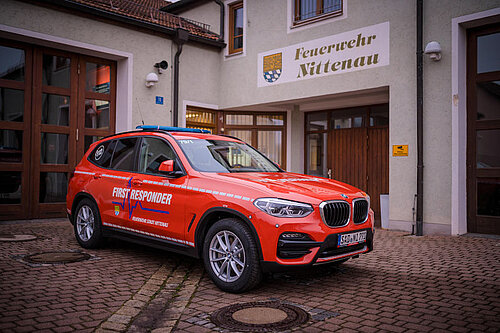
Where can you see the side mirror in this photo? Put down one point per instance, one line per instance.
(167, 167)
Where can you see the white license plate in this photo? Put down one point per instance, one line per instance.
(352, 239)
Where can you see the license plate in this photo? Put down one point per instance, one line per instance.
(352, 239)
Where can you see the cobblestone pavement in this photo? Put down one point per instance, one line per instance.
(408, 283)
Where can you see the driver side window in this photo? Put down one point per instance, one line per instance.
(152, 153)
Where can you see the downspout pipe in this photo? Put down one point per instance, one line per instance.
(181, 37)
(221, 5)
(420, 110)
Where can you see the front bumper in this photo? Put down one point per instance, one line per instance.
(322, 252)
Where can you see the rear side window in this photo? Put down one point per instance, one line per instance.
(102, 154)
(152, 153)
(124, 155)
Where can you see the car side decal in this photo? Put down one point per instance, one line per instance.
(189, 188)
(148, 234)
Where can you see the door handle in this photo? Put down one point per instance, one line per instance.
(136, 182)
(97, 176)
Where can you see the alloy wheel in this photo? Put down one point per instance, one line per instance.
(227, 256)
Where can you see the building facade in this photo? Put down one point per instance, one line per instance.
(323, 87)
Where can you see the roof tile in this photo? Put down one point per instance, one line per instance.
(149, 11)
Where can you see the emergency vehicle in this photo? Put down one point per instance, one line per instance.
(214, 197)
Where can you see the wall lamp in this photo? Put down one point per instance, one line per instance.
(433, 49)
(152, 78)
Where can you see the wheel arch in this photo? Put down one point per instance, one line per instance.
(218, 213)
(79, 197)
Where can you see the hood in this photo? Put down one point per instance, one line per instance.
(292, 186)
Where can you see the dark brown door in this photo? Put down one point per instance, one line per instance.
(358, 150)
(483, 130)
(54, 104)
(55, 98)
(377, 167)
(348, 156)
(15, 127)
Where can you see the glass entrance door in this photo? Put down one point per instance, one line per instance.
(15, 125)
(53, 105)
(483, 130)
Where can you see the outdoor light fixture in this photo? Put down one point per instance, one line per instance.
(433, 49)
(151, 79)
(161, 66)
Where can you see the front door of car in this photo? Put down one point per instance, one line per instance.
(158, 200)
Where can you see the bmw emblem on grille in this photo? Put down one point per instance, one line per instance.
(344, 196)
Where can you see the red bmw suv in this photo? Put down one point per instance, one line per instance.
(216, 198)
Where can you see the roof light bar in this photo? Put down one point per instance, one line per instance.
(172, 129)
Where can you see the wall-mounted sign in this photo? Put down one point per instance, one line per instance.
(159, 100)
(350, 51)
(399, 150)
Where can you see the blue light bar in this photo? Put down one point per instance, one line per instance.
(172, 129)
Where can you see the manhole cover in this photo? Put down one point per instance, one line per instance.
(16, 238)
(56, 257)
(259, 316)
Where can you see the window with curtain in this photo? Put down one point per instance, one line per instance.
(310, 10)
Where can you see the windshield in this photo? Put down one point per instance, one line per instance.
(225, 156)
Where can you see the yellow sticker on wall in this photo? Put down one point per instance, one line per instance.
(399, 150)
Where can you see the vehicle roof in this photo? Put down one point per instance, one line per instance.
(179, 135)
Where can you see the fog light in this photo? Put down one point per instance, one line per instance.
(294, 235)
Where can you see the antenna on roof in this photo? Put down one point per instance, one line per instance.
(139, 108)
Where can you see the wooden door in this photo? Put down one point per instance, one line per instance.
(53, 105)
(483, 130)
(15, 126)
(348, 156)
(359, 156)
(377, 167)
(55, 98)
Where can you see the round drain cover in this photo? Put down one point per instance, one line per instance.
(16, 238)
(56, 257)
(259, 316)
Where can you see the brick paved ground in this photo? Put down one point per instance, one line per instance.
(407, 284)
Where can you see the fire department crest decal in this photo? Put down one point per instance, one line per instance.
(272, 67)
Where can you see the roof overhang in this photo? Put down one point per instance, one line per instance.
(182, 5)
(170, 32)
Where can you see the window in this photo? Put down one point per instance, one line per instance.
(201, 118)
(312, 10)
(102, 154)
(265, 131)
(236, 28)
(124, 155)
(152, 153)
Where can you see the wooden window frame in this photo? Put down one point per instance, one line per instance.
(254, 128)
(319, 13)
(194, 124)
(232, 8)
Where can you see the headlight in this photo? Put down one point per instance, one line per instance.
(283, 208)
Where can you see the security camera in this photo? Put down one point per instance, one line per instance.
(161, 66)
(151, 79)
(433, 49)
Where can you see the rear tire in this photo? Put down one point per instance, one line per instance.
(87, 224)
(231, 257)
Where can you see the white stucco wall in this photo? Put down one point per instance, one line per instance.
(238, 74)
(87, 36)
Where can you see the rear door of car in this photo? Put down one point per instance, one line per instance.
(113, 183)
(158, 201)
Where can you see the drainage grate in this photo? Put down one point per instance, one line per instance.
(56, 257)
(259, 316)
(16, 238)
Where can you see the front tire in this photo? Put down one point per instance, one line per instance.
(87, 224)
(231, 257)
